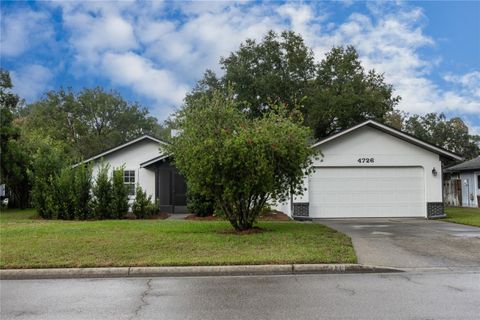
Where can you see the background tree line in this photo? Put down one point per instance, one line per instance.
(63, 127)
(332, 94)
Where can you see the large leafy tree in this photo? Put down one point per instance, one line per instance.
(335, 93)
(239, 161)
(13, 155)
(89, 121)
(277, 69)
(451, 134)
(344, 94)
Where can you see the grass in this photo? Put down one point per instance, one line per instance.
(29, 242)
(470, 216)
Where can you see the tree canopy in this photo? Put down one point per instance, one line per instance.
(448, 133)
(335, 93)
(343, 94)
(89, 121)
(13, 157)
(451, 134)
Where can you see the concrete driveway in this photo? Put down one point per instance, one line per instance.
(411, 243)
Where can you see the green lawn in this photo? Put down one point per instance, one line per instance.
(470, 216)
(29, 242)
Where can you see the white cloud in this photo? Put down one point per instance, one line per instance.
(198, 43)
(138, 73)
(96, 31)
(469, 82)
(302, 18)
(21, 30)
(138, 47)
(474, 130)
(159, 49)
(30, 81)
(390, 43)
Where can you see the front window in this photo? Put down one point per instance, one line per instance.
(129, 181)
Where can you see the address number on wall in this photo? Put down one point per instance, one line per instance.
(366, 160)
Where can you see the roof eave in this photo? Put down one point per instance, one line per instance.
(396, 133)
(154, 160)
(126, 144)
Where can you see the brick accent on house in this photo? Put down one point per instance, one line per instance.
(300, 209)
(435, 210)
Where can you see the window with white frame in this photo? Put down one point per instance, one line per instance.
(129, 181)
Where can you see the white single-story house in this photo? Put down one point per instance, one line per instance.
(369, 170)
(373, 170)
(462, 184)
(146, 163)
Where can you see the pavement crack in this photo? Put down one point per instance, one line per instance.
(409, 279)
(143, 301)
(455, 288)
(350, 292)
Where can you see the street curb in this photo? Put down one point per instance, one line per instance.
(341, 268)
(280, 269)
(62, 273)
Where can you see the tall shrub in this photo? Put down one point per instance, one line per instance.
(44, 197)
(143, 206)
(47, 162)
(64, 194)
(82, 190)
(239, 161)
(200, 205)
(119, 194)
(102, 194)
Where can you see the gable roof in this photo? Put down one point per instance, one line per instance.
(114, 149)
(396, 133)
(154, 160)
(470, 165)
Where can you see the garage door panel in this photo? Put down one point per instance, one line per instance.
(367, 192)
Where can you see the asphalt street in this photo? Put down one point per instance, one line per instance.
(409, 295)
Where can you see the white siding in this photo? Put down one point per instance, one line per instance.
(132, 156)
(387, 151)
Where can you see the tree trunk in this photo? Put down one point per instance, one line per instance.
(244, 225)
(243, 213)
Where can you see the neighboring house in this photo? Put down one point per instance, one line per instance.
(373, 170)
(462, 184)
(146, 164)
(370, 170)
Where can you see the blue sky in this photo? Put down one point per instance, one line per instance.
(154, 52)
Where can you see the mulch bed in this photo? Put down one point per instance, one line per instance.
(271, 216)
(158, 216)
(274, 216)
(207, 218)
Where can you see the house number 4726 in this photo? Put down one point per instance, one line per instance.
(366, 160)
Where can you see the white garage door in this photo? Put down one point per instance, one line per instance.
(367, 192)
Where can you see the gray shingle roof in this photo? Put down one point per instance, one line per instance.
(469, 165)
